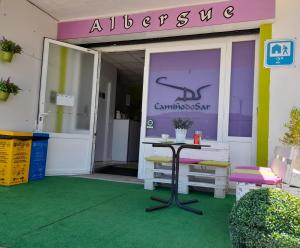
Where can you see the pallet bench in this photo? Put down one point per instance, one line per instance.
(193, 171)
(278, 175)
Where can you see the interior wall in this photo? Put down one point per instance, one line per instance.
(26, 25)
(285, 83)
(106, 108)
(135, 91)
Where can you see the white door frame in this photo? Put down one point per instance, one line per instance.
(224, 98)
(149, 51)
(253, 139)
(88, 137)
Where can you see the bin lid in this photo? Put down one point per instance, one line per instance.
(46, 135)
(15, 134)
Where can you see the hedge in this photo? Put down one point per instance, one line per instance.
(266, 218)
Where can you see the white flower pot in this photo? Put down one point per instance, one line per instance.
(180, 135)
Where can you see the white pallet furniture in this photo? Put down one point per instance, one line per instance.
(284, 165)
(291, 189)
(206, 174)
(158, 170)
(211, 172)
(292, 175)
(244, 188)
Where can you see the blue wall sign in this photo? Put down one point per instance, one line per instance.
(279, 53)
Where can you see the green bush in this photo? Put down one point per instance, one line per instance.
(266, 218)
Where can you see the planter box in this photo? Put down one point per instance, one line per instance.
(4, 96)
(6, 56)
(292, 175)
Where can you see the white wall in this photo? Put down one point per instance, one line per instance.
(26, 25)
(285, 82)
(106, 112)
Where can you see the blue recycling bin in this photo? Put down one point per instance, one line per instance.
(38, 156)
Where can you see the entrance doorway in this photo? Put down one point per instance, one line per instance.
(119, 113)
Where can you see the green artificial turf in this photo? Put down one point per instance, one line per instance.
(76, 212)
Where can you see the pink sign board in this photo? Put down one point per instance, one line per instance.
(203, 15)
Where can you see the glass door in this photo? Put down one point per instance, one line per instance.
(67, 106)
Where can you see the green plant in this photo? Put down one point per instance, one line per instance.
(182, 123)
(9, 46)
(266, 218)
(292, 136)
(9, 87)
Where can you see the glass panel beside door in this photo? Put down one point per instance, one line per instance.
(242, 89)
(69, 86)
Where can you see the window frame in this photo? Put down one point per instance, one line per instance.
(218, 45)
(225, 131)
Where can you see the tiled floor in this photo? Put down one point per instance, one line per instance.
(113, 178)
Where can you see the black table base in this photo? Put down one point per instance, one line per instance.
(180, 204)
(174, 181)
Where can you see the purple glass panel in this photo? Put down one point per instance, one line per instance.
(241, 89)
(186, 85)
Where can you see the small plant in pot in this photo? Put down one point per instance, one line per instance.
(7, 49)
(181, 127)
(7, 88)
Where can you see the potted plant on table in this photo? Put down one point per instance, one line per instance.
(7, 88)
(181, 127)
(7, 49)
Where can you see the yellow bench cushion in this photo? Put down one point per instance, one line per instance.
(159, 159)
(254, 172)
(214, 163)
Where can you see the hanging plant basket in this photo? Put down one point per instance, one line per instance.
(6, 56)
(6, 88)
(7, 49)
(4, 96)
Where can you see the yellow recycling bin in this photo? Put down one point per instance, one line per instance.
(15, 148)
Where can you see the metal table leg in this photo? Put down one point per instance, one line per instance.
(166, 203)
(182, 204)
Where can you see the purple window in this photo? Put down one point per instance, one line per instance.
(184, 84)
(241, 89)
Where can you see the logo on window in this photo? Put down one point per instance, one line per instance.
(187, 94)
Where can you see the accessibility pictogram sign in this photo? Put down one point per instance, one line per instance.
(279, 53)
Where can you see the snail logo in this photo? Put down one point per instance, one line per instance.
(188, 94)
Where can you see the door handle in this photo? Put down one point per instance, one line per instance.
(42, 115)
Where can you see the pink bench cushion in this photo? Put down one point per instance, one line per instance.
(255, 178)
(188, 161)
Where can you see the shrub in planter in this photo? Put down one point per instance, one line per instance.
(7, 49)
(7, 88)
(266, 218)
